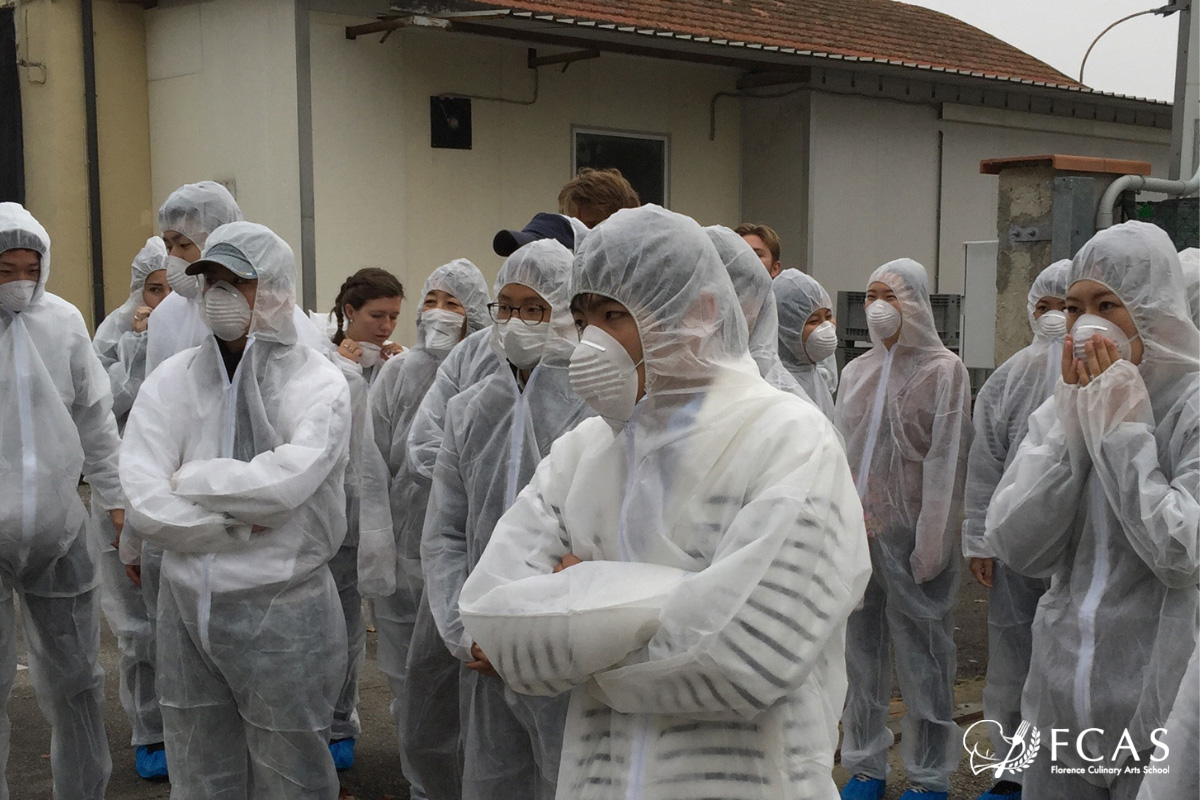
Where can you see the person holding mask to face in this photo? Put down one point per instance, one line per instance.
(366, 310)
(57, 424)
(234, 464)
(120, 344)
(905, 410)
(807, 332)
(1102, 499)
(734, 498)
(423, 676)
(496, 433)
(1002, 409)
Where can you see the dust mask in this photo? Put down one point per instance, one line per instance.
(523, 343)
(442, 329)
(1089, 325)
(1052, 325)
(15, 296)
(604, 376)
(226, 311)
(883, 319)
(177, 278)
(821, 343)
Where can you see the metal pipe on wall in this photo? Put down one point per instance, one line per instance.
(93, 161)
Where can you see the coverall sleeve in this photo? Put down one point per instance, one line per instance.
(943, 475)
(985, 465)
(274, 483)
(127, 372)
(748, 629)
(425, 435)
(1158, 509)
(1030, 519)
(444, 558)
(150, 454)
(93, 416)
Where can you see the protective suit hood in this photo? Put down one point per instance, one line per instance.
(1051, 282)
(797, 296)
(666, 271)
(910, 282)
(198, 209)
(544, 266)
(463, 280)
(273, 316)
(1189, 260)
(752, 284)
(1139, 263)
(19, 230)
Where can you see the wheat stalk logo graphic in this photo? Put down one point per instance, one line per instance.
(1023, 749)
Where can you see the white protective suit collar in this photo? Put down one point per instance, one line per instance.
(666, 271)
(273, 317)
(19, 229)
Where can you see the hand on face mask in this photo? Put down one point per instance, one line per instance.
(442, 328)
(1088, 325)
(523, 343)
(604, 376)
(16, 295)
(883, 319)
(177, 278)
(1052, 325)
(821, 343)
(226, 311)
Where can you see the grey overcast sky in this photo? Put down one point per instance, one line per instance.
(1135, 58)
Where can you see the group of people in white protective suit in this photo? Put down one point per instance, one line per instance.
(619, 539)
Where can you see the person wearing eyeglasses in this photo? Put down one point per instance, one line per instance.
(496, 432)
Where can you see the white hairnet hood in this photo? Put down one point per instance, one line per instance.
(1050, 282)
(462, 279)
(274, 314)
(198, 209)
(544, 266)
(666, 271)
(910, 282)
(20, 231)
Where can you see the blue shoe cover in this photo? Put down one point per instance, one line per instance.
(923, 794)
(861, 787)
(1006, 792)
(151, 762)
(342, 751)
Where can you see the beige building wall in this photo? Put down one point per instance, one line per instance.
(385, 198)
(222, 88)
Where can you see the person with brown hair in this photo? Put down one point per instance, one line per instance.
(594, 195)
(765, 242)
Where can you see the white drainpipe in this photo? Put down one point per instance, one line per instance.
(1104, 214)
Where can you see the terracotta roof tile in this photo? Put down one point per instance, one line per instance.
(871, 29)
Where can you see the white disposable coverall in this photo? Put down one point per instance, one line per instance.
(906, 416)
(242, 482)
(429, 748)
(735, 689)
(130, 613)
(797, 296)
(496, 432)
(1101, 498)
(1002, 409)
(195, 210)
(753, 287)
(57, 424)
(1189, 260)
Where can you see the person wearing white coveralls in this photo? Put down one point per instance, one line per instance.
(1002, 409)
(754, 292)
(234, 464)
(57, 424)
(496, 433)
(905, 409)
(423, 679)
(1102, 499)
(807, 333)
(712, 540)
(121, 345)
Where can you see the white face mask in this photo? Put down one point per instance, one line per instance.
(883, 319)
(1088, 325)
(226, 311)
(1052, 325)
(604, 376)
(523, 344)
(821, 343)
(371, 355)
(442, 328)
(177, 278)
(15, 296)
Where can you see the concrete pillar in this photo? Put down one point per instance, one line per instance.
(1046, 208)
